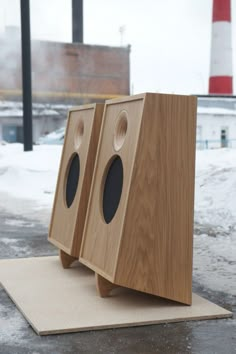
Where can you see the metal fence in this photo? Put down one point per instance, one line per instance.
(215, 144)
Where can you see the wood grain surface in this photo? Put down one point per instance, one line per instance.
(67, 224)
(101, 241)
(104, 287)
(157, 244)
(148, 245)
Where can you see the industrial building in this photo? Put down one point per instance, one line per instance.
(63, 74)
(216, 122)
(66, 74)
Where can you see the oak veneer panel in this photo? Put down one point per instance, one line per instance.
(149, 243)
(101, 241)
(55, 300)
(157, 245)
(81, 138)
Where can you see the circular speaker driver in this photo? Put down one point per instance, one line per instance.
(72, 179)
(112, 188)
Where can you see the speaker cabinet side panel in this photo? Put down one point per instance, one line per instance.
(118, 143)
(156, 248)
(67, 223)
(88, 174)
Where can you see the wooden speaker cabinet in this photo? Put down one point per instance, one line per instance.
(74, 180)
(139, 227)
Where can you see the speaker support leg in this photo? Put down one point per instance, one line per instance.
(66, 259)
(104, 286)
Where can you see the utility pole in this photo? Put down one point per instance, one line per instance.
(77, 21)
(26, 75)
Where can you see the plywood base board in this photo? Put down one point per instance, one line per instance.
(57, 300)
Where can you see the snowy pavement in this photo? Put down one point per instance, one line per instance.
(27, 186)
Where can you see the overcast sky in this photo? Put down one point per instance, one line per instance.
(170, 39)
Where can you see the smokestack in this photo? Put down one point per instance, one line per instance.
(77, 21)
(221, 71)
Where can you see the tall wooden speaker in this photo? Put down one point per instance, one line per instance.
(139, 226)
(74, 180)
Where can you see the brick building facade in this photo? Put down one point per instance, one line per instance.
(63, 74)
(66, 70)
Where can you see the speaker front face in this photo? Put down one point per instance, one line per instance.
(111, 183)
(74, 180)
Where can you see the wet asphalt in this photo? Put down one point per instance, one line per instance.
(20, 237)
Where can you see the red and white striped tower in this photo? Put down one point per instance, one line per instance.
(221, 71)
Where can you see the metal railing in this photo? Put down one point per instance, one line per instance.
(215, 144)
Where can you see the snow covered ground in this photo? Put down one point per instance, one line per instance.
(215, 219)
(28, 179)
(27, 185)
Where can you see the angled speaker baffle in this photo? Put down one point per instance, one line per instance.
(74, 180)
(139, 234)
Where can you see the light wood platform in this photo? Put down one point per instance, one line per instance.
(57, 300)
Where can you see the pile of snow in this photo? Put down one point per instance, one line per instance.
(215, 219)
(32, 176)
(28, 179)
(27, 187)
(215, 191)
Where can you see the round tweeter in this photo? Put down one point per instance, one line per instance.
(113, 183)
(79, 132)
(72, 180)
(120, 130)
